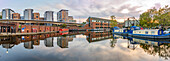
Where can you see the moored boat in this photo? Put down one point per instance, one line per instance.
(135, 31)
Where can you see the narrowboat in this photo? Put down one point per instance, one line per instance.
(63, 31)
(135, 31)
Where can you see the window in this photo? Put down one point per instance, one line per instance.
(146, 32)
(15, 16)
(152, 32)
(97, 27)
(93, 20)
(36, 16)
(97, 24)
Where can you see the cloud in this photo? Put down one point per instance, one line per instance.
(84, 8)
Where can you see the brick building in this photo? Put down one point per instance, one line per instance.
(16, 16)
(36, 16)
(95, 23)
(62, 16)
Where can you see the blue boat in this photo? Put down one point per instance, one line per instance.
(135, 31)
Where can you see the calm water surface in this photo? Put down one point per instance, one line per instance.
(82, 46)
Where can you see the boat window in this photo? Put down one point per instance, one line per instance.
(146, 32)
(152, 32)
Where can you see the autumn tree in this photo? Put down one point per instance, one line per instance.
(113, 21)
(154, 17)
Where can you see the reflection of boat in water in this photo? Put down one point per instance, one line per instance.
(63, 31)
(152, 47)
(135, 31)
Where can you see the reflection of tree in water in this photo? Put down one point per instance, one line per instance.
(113, 41)
(163, 50)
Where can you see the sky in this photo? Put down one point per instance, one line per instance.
(82, 9)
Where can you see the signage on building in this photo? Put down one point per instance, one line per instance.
(23, 29)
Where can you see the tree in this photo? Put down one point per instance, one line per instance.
(154, 17)
(113, 21)
(64, 25)
(0, 17)
(84, 23)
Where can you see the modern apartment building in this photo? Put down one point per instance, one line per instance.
(16, 16)
(48, 16)
(7, 13)
(70, 17)
(62, 16)
(71, 20)
(36, 16)
(95, 23)
(48, 42)
(28, 14)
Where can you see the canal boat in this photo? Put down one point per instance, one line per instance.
(63, 31)
(135, 31)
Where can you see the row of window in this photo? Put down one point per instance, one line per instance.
(100, 21)
(102, 27)
(102, 24)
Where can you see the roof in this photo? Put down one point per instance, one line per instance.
(37, 21)
(63, 10)
(100, 18)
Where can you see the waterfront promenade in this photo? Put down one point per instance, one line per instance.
(33, 33)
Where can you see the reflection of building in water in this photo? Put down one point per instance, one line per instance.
(7, 46)
(37, 42)
(70, 38)
(29, 45)
(62, 42)
(98, 36)
(48, 42)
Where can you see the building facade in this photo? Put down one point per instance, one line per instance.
(71, 20)
(16, 16)
(62, 16)
(70, 17)
(48, 16)
(36, 16)
(7, 13)
(28, 14)
(41, 18)
(98, 23)
(129, 23)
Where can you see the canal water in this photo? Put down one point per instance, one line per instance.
(82, 46)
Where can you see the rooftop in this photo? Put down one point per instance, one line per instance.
(100, 18)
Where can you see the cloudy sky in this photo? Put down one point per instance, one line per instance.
(82, 9)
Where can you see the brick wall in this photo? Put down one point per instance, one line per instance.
(26, 29)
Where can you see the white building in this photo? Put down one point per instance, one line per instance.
(48, 42)
(7, 13)
(48, 16)
(131, 23)
(28, 14)
(28, 45)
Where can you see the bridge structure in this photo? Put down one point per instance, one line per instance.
(39, 22)
(29, 26)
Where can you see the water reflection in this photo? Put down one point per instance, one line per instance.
(97, 36)
(94, 44)
(162, 48)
